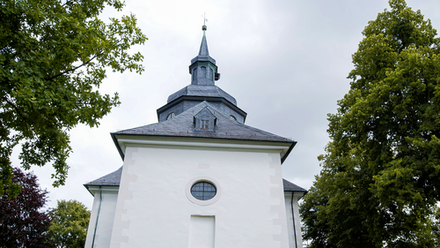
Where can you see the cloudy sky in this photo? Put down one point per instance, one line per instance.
(285, 61)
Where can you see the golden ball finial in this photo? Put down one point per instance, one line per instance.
(204, 27)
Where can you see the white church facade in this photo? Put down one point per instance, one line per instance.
(199, 178)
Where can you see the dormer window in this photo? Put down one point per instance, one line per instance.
(205, 120)
(204, 124)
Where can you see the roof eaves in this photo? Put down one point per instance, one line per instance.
(100, 186)
(290, 187)
(205, 98)
(288, 151)
(115, 140)
(121, 153)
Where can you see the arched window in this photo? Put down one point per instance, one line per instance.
(170, 115)
(194, 74)
(203, 72)
(211, 74)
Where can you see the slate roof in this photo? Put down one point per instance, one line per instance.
(111, 179)
(203, 52)
(202, 90)
(291, 187)
(182, 125)
(114, 178)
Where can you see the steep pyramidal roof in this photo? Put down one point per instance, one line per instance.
(203, 52)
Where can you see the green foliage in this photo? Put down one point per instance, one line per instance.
(69, 222)
(379, 182)
(53, 58)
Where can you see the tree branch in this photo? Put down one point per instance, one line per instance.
(25, 120)
(69, 2)
(72, 69)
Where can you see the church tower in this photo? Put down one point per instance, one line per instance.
(199, 178)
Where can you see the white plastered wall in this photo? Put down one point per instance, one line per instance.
(154, 208)
(103, 212)
(293, 218)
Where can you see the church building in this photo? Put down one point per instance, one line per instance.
(199, 178)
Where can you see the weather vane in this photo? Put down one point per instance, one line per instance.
(204, 27)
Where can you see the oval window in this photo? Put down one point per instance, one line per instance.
(203, 191)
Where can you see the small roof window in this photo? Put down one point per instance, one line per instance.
(204, 124)
(205, 120)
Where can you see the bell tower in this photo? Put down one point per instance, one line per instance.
(204, 74)
(203, 69)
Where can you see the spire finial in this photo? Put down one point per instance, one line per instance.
(204, 27)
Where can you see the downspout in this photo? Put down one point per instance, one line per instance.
(293, 218)
(97, 216)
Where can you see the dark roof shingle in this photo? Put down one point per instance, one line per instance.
(291, 187)
(182, 125)
(111, 179)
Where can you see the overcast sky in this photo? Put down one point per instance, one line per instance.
(285, 61)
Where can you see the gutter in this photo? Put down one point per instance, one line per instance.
(97, 216)
(293, 219)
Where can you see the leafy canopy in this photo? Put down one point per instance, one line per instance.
(69, 223)
(23, 223)
(53, 58)
(379, 182)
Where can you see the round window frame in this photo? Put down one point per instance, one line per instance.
(194, 200)
(207, 188)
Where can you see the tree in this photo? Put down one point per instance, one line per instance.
(53, 57)
(379, 185)
(23, 223)
(69, 222)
